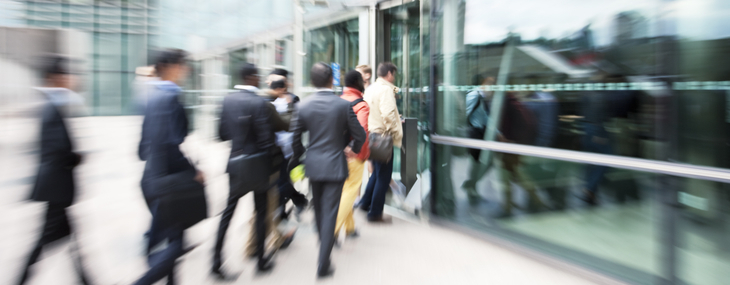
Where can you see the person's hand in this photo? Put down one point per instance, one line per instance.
(349, 153)
(200, 177)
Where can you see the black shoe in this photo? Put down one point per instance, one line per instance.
(353, 234)
(265, 265)
(287, 241)
(324, 272)
(381, 220)
(220, 276)
(589, 198)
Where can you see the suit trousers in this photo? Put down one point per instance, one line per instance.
(288, 192)
(272, 202)
(326, 198)
(55, 227)
(350, 191)
(261, 205)
(373, 200)
(162, 262)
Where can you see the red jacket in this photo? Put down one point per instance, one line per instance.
(362, 110)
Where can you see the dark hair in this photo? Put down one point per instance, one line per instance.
(169, 57)
(278, 84)
(55, 64)
(353, 79)
(248, 70)
(386, 67)
(321, 75)
(281, 72)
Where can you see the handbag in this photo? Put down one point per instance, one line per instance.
(249, 172)
(181, 202)
(381, 147)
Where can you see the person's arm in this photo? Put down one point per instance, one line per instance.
(362, 115)
(391, 119)
(223, 126)
(278, 122)
(297, 128)
(356, 130)
(262, 124)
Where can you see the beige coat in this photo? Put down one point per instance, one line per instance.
(384, 117)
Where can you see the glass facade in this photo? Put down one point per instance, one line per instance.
(336, 43)
(634, 81)
(120, 35)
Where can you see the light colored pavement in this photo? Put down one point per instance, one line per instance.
(110, 218)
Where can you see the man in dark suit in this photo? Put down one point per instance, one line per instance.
(246, 120)
(55, 180)
(331, 122)
(164, 128)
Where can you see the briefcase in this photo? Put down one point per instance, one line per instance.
(381, 147)
(249, 172)
(181, 201)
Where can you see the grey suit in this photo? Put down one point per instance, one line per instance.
(329, 119)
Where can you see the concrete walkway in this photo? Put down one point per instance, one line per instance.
(110, 218)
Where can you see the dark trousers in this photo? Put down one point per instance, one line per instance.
(287, 191)
(260, 203)
(56, 227)
(162, 261)
(374, 198)
(326, 199)
(594, 173)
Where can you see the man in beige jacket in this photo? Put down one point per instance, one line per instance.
(383, 119)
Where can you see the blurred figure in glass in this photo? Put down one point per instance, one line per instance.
(328, 119)
(477, 118)
(384, 119)
(354, 86)
(55, 182)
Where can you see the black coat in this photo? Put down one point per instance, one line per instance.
(247, 121)
(55, 180)
(164, 128)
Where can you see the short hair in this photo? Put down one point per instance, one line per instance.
(386, 67)
(280, 71)
(364, 68)
(247, 70)
(277, 84)
(55, 64)
(353, 79)
(169, 57)
(478, 79)
(321, 75)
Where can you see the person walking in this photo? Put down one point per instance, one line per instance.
(284, 103)
(164, 128)
(355, 162)
(328, 119)
(246, 120)
(55, 183)
(383, 119)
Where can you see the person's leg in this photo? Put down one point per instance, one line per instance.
(273, 220)
(350, 190)
(261, 203)
(222, 229)
(55, 227)
(317, 188)
(329, 202)
(162, 263)
(383, 172)
(367, 198)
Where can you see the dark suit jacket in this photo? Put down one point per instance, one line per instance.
(55, 180)
(164, 128)
(328, 118)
